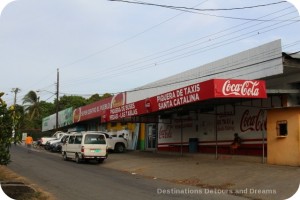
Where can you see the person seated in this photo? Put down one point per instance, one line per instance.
(236, 143)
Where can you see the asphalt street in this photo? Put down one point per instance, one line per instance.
(69, 180)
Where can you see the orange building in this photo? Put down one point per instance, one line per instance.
(283, 136)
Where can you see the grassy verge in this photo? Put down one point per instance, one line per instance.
(39, 194)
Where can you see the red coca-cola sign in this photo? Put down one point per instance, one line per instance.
(240, 88)
(214, 88)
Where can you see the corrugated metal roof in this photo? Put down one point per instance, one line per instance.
(295, 55)
(255, 63)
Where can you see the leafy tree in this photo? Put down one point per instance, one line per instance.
(106, 95)
(19, 121)
(46, 108)
(6, 122)
(93, 98)
(97, 97)
(71, 101)
(35, 110)
(32, 105)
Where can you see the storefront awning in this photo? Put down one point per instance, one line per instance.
(211, 89)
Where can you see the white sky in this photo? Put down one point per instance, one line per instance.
(101, 46)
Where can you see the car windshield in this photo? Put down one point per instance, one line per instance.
(94, 139)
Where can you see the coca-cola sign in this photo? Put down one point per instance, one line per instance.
(239, 88)
(211, 89)
(246, 88)
(233, 88)
(253, 121)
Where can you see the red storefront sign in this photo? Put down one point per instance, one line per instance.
(233, 88)
(98, 108)
(215, 88)
(128, 110)
(175, 98)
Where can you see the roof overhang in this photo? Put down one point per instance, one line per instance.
(283, 91)
(207, 92)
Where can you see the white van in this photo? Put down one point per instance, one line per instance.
(84, 146)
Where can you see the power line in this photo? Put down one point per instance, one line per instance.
(234, 18)
(217, 45)
(192, 10)
(201, 50)
(205, 9)
(254, 57)
(133, 69)
(211, 74)
(123, 41)
(119, 43)
(168, 51)
(207, 75)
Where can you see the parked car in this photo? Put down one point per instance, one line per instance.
(116, 143)
(56, 147)
(56, 135)
(50, 142)
(85, 146)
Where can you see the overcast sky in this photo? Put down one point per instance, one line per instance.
(102, 46)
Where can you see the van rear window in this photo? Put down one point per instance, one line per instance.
(94, 139)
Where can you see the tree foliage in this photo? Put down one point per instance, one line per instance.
(93, 98)
(29, 117)
(35, 110)
(31, 104)
(97, 97)
(71, 101)
(6, 123)
(46, 108)
(106, 95)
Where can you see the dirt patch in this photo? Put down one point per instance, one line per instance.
(20, 188)
(197, 182)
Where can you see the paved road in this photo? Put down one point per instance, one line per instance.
(68, 180)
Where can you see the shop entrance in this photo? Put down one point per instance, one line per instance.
(151, 136)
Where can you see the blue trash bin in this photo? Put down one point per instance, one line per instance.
(193, 145)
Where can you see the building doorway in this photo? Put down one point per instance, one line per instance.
(151, 136)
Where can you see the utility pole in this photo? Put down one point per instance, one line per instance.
(57, 95)
(16, 91)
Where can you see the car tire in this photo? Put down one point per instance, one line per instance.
(77, 159)
(65, 156)
(100, 160)
(119, 148)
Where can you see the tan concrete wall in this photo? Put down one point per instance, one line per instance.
(284, 150)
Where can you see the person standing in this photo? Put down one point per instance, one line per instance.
(28, 142)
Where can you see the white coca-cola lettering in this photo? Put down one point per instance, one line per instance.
(253, 122)
(247, 88)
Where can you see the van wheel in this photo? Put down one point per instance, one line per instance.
(120, 148)
(65, 156)
(100, 160)
(77, 159)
